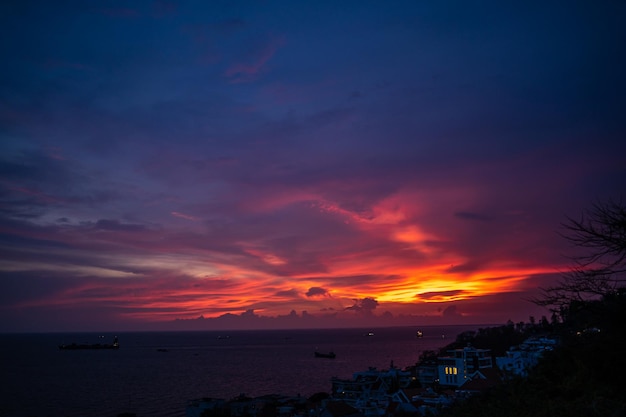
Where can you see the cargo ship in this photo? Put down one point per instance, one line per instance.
(76, 346)
(329, 355)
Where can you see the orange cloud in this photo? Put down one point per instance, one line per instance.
(388, 253)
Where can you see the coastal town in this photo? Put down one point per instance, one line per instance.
(436, 381)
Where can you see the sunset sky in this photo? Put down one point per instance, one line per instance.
(225, 164)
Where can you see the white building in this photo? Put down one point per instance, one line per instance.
(519, 359)
(456, 369)
(372, 391)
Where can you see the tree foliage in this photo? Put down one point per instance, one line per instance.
(600, 269)
(581, 377)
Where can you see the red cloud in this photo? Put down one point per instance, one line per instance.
(245, 72)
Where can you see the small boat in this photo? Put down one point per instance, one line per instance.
(76, 346)
(329, 355)
(419, 334)
(369, 334)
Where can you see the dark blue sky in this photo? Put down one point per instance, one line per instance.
(403, 162)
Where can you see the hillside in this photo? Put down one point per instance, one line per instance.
(583, 377)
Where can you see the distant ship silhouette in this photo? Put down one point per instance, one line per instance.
(75, 346)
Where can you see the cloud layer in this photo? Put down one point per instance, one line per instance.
(298, 165)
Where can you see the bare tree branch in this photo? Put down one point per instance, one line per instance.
(601, 270)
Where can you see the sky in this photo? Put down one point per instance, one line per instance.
(196, 165)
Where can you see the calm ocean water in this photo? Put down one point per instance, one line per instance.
(38, 379)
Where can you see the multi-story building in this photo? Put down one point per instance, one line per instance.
(457, 368)
(427, 373)
(519, 359)
(372, 391)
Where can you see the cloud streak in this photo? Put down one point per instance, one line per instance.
(289, 166)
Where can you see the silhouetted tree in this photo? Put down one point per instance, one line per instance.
(318, 397)
(579, 378)
(601, 269)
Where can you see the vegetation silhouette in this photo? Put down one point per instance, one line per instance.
(583, 376)
(599, 269)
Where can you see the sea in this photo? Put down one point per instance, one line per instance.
(158, 373)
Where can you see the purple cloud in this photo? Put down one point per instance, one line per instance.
(232, 159)
(316, 292)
